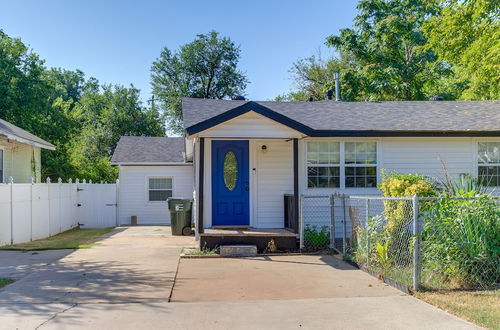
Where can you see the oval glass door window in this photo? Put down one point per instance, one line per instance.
(230, 171)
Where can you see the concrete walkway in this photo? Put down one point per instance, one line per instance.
(125, 283)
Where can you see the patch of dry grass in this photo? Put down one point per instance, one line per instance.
(480, 307)
(76, 238)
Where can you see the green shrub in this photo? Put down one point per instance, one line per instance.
(316, 237)
(461, 242)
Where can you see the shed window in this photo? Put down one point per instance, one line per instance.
(1, 166)
(489, 163)
(159, 189)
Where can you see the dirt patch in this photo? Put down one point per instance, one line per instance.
(276, 277)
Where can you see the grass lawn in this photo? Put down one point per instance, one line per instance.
(480, 307)
(75, 238)
(4, 281)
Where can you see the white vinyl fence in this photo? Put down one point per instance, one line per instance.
(33, 211)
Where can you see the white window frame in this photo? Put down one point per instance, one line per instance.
(342, 164)
(476, 158)
(147, 187)
(354, 165)
(339, 165)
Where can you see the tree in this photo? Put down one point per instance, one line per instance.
(105, 115)
(83, 119)
(203, 68)
(467, 35)
(313, 77)
(385, 54)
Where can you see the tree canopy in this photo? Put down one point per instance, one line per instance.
(466, 34)
(410, 50)
(204, 68)
(81, 117)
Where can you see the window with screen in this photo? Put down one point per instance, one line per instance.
(323, 164)
(488, 171)
(159, 189)
(334, 164)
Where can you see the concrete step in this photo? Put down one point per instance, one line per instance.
(238, 250)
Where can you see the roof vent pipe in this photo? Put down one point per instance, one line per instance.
(336, 76)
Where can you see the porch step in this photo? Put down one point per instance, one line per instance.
(238, 250)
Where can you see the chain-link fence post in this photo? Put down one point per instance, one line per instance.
(416, 245)
(301, 221)
(367, 233)
(344, 231)
(332, 222)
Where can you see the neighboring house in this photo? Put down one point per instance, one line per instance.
(20, 153)
(247, 155)
(151, 169)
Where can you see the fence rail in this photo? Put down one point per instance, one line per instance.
(419, 242)
(30, 211)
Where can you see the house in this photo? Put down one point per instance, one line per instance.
(20, 153)
(246, 156)
(151, 169)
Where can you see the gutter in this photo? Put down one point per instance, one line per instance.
(28, 142)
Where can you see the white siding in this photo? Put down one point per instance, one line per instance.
(274, 170)
(273, 178)
(133, 195)
(17, 161)
(429, 155)
(250, 125)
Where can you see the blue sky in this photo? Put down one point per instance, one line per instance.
(116, 41)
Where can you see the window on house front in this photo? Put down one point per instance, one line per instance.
(360, 164)
(159, 189)
(489, 163)
(341, 164)
(1, 166)
(323, 164)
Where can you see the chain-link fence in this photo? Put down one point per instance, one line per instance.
(422, 242)
(384, 237)
(316, 225)
(434, 243)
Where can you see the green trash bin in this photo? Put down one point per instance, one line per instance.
(180, 215)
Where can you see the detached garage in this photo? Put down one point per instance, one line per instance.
(151, 169)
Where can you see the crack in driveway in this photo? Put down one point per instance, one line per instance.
(55, 315)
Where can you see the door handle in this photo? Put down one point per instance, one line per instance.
(247, 189)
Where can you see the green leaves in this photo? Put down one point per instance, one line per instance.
(389, 62)
(78, 115)
(204, 68)
(466, 34)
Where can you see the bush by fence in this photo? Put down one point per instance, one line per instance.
(420, 242)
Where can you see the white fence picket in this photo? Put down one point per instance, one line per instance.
(45, 209)
(5, 214)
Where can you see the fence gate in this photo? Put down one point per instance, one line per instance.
(97, 205)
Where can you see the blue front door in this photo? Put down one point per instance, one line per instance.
(230, 185)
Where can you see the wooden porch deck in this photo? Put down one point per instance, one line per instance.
(284, 239)
(248, 231)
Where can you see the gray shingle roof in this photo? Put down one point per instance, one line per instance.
(433, 116)
(145, 149)
(11, 131)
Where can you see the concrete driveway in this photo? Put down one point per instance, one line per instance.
(126, 281)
